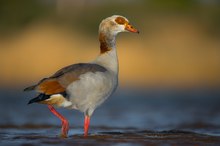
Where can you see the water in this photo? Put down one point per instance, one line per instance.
(150, 116)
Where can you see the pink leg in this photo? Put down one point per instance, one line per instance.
(65, 123)
(86, 125)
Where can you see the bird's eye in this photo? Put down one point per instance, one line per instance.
(120, 20)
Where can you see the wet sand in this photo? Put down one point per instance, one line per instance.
(131, 117)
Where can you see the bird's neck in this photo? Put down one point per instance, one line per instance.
(108, 53)
(107, 42)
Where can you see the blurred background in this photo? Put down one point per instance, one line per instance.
(178, 44)
(171, 69)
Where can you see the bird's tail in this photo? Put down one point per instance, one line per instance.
(40, 97)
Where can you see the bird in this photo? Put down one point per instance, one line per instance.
(85, 86)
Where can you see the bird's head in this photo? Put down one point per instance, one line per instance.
(115, 24)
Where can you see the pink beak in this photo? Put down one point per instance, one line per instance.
(130, 28)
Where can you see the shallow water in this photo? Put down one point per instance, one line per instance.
(152, 116)
(111, 136)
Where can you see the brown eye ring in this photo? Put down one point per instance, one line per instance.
(120, 20)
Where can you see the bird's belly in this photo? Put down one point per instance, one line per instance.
(91, 90)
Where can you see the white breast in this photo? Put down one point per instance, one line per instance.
(91, 90)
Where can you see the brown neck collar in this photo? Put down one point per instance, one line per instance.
(104, 46)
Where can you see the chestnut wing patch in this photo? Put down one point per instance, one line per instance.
(50, 86)
(58, 82)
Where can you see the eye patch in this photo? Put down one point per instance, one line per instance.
(120, 20)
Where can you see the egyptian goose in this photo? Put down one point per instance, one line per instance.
(84, 86)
